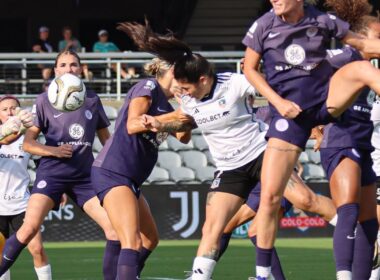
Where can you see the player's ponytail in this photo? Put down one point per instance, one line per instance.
(355, 12)
(188, 66)
(157, 67)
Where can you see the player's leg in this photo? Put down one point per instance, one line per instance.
(302, 197)
(97, 213)
(220, 207)
(40, 259)
(243, 215)
(346, 83)
(366, 232)
(122, 208)
(38, 207)
(279, 160)
(4, 235)
(149, 232)
(345, 190)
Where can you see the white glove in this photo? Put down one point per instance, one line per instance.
(12, 125)
(25, 117)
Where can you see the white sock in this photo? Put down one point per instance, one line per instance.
(375, 274)
(263, 271)
(334, 220)
(43, 272)
(344, 275)
(202, 268)
(6, 275)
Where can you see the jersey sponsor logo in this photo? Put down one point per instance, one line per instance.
(282, 125)
(34, 109)
(333, 53)
(76, 131)
(11, 156)
(57, 115)
(295, 54)
(355, 152)
(149, 85)
(215, 183)
(212, 118)
(253, 28)
(88, 114)
(312, 31)
(332, 17)
(41, 184)
(273, 35)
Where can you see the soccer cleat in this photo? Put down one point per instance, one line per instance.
(261, 278)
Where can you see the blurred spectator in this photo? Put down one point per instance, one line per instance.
(103, 45)
(42, 45)
(71, 43)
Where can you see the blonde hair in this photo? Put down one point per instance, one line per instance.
(157, 67)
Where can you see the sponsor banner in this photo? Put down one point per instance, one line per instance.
(179, 211)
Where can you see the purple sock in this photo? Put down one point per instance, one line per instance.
(224, 241)
(12, 249)
(276, 268)
(263, 257)
(128, 264)
(344, 236)
(366, 235)
(110, 259)
(144, 254)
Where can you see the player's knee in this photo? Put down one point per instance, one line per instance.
(27, 232)
(306, 203)
(110, 234)
(270, 202)
(36, 250)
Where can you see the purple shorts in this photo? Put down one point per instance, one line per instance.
(253, 200)
(297, 131)
(80, 191)
(104, 180)
(331, 157)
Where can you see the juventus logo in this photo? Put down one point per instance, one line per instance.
(185, 205)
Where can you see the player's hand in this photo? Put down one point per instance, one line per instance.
(150, 123)
(63, 151)
(288, 109)
(317, 134)
(12, 125)
(25, 116)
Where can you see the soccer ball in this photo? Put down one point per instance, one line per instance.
(67, 93)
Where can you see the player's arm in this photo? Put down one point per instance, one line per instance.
(286, 108)
(103, 135)
(137, 108)
(32, 146)
(317, 134)
(361, 43)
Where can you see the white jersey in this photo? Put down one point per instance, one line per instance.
(375, 117)
(225, 118)
(14, 192)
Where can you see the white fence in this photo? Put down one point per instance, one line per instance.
(20, 75)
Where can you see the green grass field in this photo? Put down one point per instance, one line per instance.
(305, 259)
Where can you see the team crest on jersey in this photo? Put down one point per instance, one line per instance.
(88, 114)
(215, 183)
(41, 184)
(149, 85)
(282, 125)
(295, 54)
(222, 103)
(311, 32)
(371, 97)
(76, 131)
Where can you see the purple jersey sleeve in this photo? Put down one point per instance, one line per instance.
(254, 37)
(40, 120)
(103, 121)
(337, 27)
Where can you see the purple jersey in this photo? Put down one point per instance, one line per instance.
(294, 54)
(76, 128)
(354, 128)
(134, 155)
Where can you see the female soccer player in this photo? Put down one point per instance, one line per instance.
(292, 40)
(126, 162)
(65, 164)
(345, 154)
(14, 192)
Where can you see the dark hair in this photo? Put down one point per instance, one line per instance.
(355, 12)
(5, 97)
(73, 53)
(188, 66)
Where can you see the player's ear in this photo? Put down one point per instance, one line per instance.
(203, 80)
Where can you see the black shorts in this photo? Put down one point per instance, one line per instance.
(13, 222)
(239, 181)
